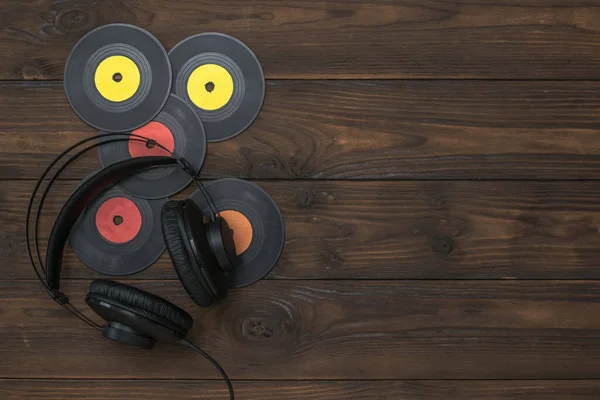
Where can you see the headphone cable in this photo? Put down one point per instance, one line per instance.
(197, 349)
(209, 200)
(207, 196)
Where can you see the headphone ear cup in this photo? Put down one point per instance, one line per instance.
(143, 302)
(135, 316)
(204, 288)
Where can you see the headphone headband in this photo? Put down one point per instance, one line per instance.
(79, 201)
(117, 329)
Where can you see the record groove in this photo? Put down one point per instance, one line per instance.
(100, 247)
(112, 50)
(244, 69)
(83, 84)
(189, 142)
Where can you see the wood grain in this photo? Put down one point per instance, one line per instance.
(326, 330)
(356, 130)
(427, 157)
(390, 230)
(301, 390)
(505, 39)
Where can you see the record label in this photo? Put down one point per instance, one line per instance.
(152, 130)
(241, 227)
(117, 78)
(210, 87)
(118, 220)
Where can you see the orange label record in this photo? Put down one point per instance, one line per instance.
(241, 227)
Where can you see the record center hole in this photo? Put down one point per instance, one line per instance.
(117, 77)
(117, 220)
(209, 87)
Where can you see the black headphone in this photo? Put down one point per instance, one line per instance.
(201, 253)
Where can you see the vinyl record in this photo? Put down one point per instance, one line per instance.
(178, 128)
(257, 224)
(118, 234)
(117, 77)
(223, 81)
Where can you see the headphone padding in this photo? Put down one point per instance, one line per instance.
(180, 257)
(146, 303)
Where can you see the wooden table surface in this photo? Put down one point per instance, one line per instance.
(436, 163)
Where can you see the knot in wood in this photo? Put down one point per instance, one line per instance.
(30, 72)
(258, 328)
(8, 243)
(305, 198)
(443, 244)
(264, 16)
(333, 259)
(73, 20)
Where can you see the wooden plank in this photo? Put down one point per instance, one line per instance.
(390, 230)
(301, 390)
(357, 130)
(326, 330)
(505, 39)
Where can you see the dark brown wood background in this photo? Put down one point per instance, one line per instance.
(437, 166)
